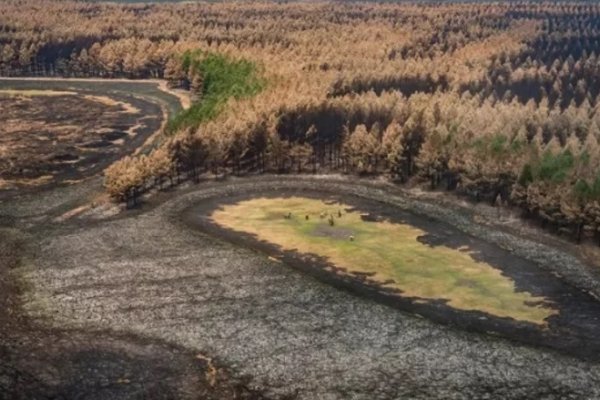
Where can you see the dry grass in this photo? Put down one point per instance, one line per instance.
(25, 182)
(35, 93)
(107, 101)
(59, 131)
(387, 252)
(182, 95)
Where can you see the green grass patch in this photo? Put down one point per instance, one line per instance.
(223, 79)
(389, 252)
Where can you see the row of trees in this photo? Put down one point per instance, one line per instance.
(559, 63)
(498, 100)
(489, 151)
(128, 58)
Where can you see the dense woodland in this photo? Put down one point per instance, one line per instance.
(497, 101)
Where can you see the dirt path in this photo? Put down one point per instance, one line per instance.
(146, 274)
(183, 96)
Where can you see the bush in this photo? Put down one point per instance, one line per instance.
(555, 167)
(586, 191)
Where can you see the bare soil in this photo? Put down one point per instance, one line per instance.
(148, 276)
(43, 360)
(333, 232)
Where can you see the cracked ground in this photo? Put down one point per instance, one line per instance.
(122, 307)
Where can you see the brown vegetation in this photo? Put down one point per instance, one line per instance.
(496, 100)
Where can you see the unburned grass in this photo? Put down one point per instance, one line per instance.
(389, 253)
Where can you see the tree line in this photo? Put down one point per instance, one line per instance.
(491, 151)
(495, 100)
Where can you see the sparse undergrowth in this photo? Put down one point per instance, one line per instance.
(481, 97)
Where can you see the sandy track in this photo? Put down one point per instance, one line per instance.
(183, 96)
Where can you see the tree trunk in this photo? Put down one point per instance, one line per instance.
(579, 231)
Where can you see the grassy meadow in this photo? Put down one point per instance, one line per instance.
(388, 252)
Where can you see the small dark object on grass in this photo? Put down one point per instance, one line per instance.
(306, 217)
(339, 213)
(331, 221)
(352, 238)
(288, 216)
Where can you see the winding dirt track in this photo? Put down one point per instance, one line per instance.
(148, 276)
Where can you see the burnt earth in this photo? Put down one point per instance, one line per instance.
(573, 330)
(49, 140)
(64, 137)
(149, 275)
(40, 360)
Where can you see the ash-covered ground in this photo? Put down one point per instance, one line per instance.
(147, 298)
